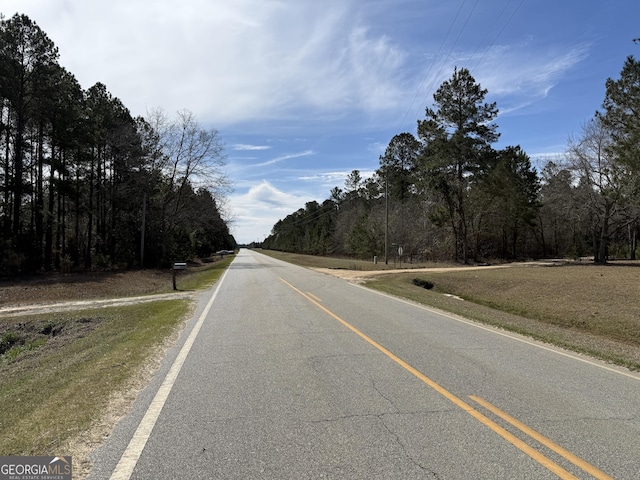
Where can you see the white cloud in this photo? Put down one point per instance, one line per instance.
(266, 194)
(225, 61)
(519, 83)
(512, 81)
(245, 147)
(329, 180)
(282, 158)
(258, 210)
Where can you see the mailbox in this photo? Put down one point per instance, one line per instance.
(177, 266)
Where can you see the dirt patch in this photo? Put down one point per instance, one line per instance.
(34, 323)
(48, 308)
(361, 276)
(22, 340)
(86, 286)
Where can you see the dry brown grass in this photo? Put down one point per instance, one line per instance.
(603, 300)
(587, 308)
(340, 263)
(59, 287)
(56, 287)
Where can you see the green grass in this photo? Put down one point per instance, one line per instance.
(199, 278)
(60, 373)
(313, 261)
(56, 392)
(14, 352)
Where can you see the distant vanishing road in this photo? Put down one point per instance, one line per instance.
(286, 373)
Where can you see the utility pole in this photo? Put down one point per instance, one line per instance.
(386, 213)
(144, 218)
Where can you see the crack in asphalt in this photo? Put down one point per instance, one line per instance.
(404, 449)
(375, 387)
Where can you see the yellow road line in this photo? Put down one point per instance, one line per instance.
(534, 454)
(587, 467)
(314, 297)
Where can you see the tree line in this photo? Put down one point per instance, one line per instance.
(446, 193)
(85, 185)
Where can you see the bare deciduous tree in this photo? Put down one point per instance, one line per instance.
(600, 176)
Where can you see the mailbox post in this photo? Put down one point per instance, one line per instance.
(177, 266)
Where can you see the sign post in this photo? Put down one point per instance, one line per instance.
(177, 266)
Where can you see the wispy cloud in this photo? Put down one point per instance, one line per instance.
(332, 179)
(518, 83)
(541, 67)
(282, 158)
(277, 56)
(514, 83)
(245, 147)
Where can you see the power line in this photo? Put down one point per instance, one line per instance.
(493, 25)
(498, 35)
(431, 65)
(444, 61)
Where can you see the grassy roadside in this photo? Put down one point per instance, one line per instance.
(55, 392)
(312, 261)
(586, 308)
(202, 277)
(70, 369)
(609, 336)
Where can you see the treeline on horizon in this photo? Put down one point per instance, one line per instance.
(447, 194)
(84, 185)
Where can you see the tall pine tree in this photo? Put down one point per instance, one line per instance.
(456, 134)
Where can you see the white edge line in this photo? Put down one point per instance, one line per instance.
(131, 455)
(499, 332)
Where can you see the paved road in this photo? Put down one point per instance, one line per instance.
(285, 373)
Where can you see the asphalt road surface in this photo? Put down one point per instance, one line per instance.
(286, 373)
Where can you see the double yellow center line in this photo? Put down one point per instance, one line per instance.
(533, 453)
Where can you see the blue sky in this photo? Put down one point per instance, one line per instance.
(305, 91)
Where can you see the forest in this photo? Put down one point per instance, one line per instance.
(84, 185)
(446, 194)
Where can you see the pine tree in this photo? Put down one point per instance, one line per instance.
(456, 135)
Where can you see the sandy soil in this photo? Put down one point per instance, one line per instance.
(55, 288)
(360, 276)
(60, 293)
